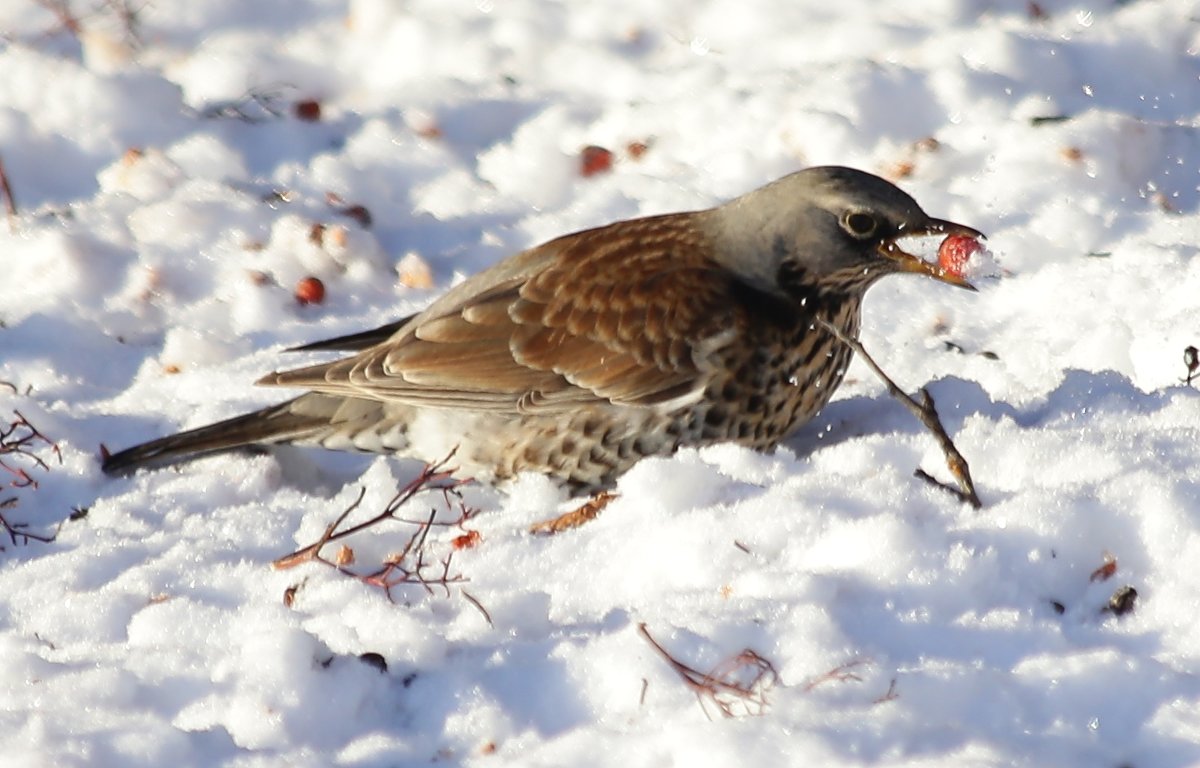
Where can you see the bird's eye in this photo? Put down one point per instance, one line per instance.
(859, 224)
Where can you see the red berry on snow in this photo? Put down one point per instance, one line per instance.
(310, 290)
(308, 110)
(593, 160)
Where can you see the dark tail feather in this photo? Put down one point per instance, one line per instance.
(278, 423)
(355, 342)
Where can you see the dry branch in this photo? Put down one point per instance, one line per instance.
(18, 441)
(126, 14)
(742, 679)
(889, 695)
(414, 563)
(257, 105)
(475, 602)
(432, 477)
(839, 674)
(67, 20)
(19, 533)
(6, 194)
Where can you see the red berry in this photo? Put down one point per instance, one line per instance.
(955, 253)
(310, 290)
(593, 160)
(308, 110)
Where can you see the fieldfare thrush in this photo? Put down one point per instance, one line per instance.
(582, 355)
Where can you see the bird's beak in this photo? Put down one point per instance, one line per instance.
(907, 262)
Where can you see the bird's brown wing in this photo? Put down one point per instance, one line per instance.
(623, 314)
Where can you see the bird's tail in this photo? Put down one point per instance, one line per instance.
(305, 418)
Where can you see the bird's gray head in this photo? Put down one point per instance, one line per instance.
(826, 226)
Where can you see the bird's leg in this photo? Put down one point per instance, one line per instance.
(927, 414)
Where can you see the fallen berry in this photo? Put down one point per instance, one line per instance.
(955, 252)
(308, 110)
(593, 160)
(310, 290)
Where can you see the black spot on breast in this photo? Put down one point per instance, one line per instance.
(729, 392)
(715, 417)
(764, 307)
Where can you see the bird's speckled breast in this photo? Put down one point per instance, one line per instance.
(764, 386)
(770, 386)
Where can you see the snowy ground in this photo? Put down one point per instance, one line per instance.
(148, 279)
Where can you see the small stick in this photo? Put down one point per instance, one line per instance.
(926, 413)
(473, 601)
(62, 12)
(6, 193)
(721, 684)
(891, 694)
(841, 674)
(309, 552)
(433, 473)
(18, 533)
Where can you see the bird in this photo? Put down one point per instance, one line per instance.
(578, 357)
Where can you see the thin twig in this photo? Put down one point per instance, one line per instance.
(471, 599)
(412, 564)
(129, 18)
(890, 695)
(839, 674)
(6, 193)
(309, 552)
(19, 533)
(64, 15)
(254, 106)
(432, 473)
(926, 413)
(721, 685)
(16, 439)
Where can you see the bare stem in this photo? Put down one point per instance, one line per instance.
(726, 684)
(431, 474)
(6, 194)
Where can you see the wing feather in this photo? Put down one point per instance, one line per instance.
(622, 314)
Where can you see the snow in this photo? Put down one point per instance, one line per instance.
(164, 217)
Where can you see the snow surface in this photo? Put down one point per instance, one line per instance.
(147, 282)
